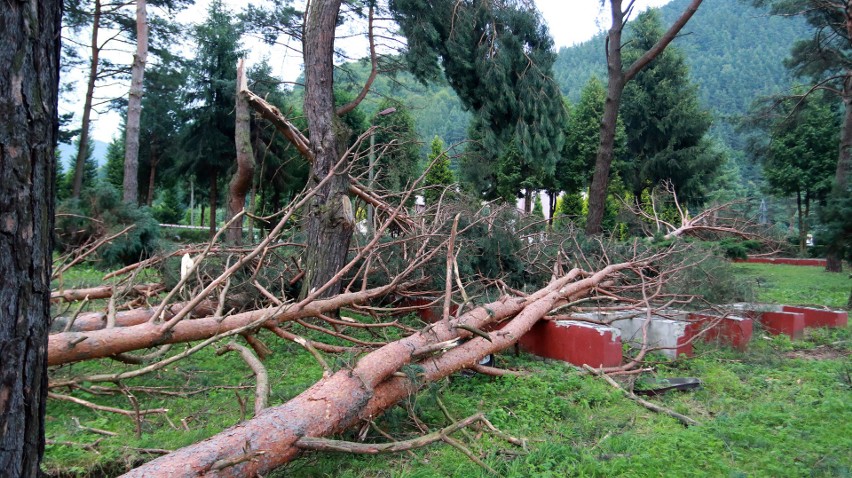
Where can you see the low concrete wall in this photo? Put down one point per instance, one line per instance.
(671, 333)
(731, 330)
(791, 261)
(575, 342)
(820, 317)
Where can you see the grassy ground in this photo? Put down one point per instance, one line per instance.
(781, 409)
(797, 285)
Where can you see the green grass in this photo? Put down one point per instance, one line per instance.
(783, 409)
(763, 414)
(797, 285)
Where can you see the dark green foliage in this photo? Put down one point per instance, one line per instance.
(732, 51)
(665, 124)
(101, 212)
(439, 176)
(169, 210)
(90, 169)
(796, 140)
(734, 248)
(497, 57)
(582, 137)
(161, 124)
(208, 144)
(397, 147)
(802, 154)
(114, 167)
(824, 53)
(273, 21)
(835, 232)
(61, 188)
(280, 170)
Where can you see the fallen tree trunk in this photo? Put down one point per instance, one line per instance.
(97, 320)
(102, 292)
(338, 402)
(70, 347)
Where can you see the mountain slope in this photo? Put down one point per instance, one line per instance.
(735, 54)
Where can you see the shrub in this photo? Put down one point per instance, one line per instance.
(100, 213)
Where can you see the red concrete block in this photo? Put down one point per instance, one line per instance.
(685, 341)
(574, 342)
(731, 330)
(784, 260)
(430, 310)
(820, 317)
(787, 323)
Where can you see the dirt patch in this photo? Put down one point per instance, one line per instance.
(819, 353)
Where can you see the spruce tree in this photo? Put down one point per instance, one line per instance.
(498, 57)
(208, 144)
(439, 175)
(665, 124)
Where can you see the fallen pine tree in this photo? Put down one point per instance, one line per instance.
(385, 371)
(374, 384)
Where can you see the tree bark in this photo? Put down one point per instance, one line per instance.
(329, 220)
(152, 174)
(134, 108)
(363, 392)
(69, 347)
(834, 262)
(83, 147)
(618, 78)
(214, 189)
(242, 180)
(803, 232)
(126, 318)
(29, 83)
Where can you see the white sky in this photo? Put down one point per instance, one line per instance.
(569, 21)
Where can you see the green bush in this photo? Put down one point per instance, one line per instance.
(99, 213)
(735, 248)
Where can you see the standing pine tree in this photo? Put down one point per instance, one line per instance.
(114, 167)
(396, 146)
(826, 59)
(439, 175)
(208, 145)
(498, 57)
(665, 123)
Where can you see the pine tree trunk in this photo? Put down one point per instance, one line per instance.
(152, 175)
(802, 229)
(29, 53)
(214, 190)
(134, 108)
(844, 160)
(83, 147)
(603, 162)
(834, 263)
(551, 208)
(329, 220)
(242, 179)
(618, 78)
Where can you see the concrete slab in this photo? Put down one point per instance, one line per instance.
(669, 330)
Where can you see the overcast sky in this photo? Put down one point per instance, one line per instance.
(569, 21)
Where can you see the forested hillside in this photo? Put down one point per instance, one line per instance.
(735, 53)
